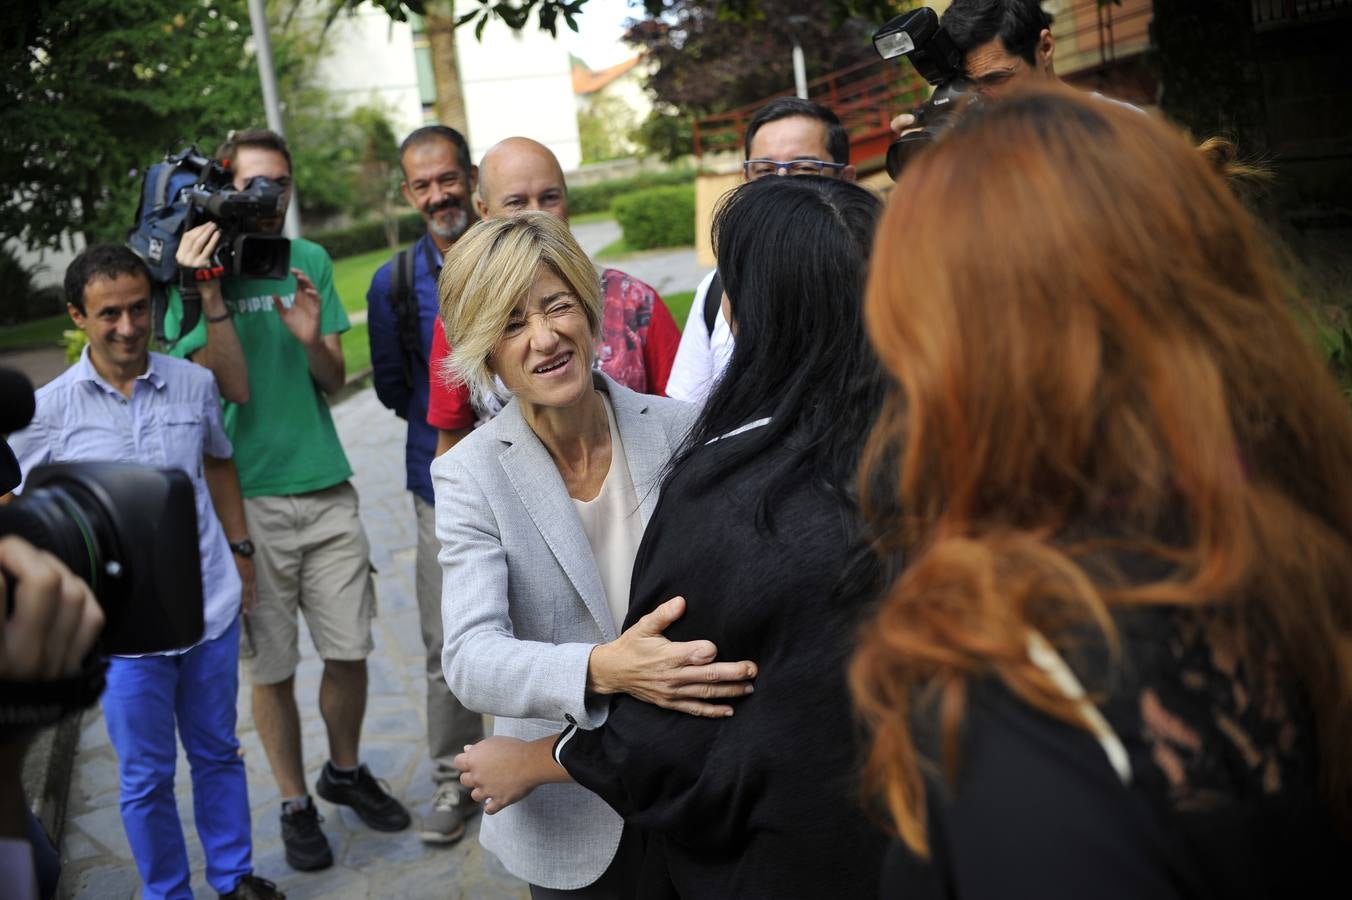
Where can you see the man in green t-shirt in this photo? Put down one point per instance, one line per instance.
(274, 348)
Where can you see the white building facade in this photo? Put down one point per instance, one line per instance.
(514, 83)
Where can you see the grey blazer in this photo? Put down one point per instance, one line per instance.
(522, 606)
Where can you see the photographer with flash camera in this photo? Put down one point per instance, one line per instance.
(274, 347)
(120, 403)
(1002, 44)
(977, 52)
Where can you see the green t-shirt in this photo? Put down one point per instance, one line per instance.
(284, 438)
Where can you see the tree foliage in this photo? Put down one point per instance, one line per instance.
(96, 90)
(708, 62)
(550, 13)
(604, 127)
(666, 134)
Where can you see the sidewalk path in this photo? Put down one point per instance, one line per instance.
(668, 271)
(368, 864)
(40, 364)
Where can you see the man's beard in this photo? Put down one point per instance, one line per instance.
(448, 231)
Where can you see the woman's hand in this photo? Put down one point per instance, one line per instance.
(503, 770)
(679, 676)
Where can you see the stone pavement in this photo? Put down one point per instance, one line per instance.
(368, 864)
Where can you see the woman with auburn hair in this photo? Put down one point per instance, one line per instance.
(1119, 662)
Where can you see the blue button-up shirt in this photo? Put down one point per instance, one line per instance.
(172, 418)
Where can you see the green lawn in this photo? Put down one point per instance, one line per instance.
(679, 304)
(352, 276)
(38, 333)
(356, 350)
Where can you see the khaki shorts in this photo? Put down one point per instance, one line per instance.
(311, 554)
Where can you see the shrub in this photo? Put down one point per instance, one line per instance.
(22, 300)
(597, 197)
(657, 217)
(367, 236)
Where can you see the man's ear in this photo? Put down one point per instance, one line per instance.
(75, 316)
(480, 207)
(849, 173)
(408, 194)
(1046, 51)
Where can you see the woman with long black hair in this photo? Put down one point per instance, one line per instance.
(756, 525)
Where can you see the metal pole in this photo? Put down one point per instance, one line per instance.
(258, 18)
(799, 69)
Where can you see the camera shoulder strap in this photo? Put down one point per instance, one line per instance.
(405, 305)
(713, 302)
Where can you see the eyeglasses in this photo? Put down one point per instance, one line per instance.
(757, 168)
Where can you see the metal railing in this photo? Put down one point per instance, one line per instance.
(865, 96)
(868, 94)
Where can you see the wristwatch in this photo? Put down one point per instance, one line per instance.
(244, 548)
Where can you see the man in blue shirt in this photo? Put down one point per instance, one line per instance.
(438, 181)
(121, 403)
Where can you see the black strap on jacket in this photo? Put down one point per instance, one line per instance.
(404, 301)
(713, 302)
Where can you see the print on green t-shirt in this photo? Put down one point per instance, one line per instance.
(284, 438)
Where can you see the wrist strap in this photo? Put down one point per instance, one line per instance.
(221, 318)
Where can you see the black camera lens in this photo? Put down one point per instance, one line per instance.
(262, 256)
(130, 533)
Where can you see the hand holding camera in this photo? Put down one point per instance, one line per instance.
(918, 36)
(53, 620)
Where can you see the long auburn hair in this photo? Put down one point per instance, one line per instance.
(1089, 336)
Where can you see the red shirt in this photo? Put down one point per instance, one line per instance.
(637, 347)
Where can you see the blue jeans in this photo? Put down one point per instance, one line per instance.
(144, 701)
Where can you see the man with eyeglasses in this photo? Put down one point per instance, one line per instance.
(787, 136)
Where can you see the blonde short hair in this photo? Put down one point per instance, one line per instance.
(487, 273)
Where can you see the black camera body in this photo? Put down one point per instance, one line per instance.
(918, 36)
(241, 252)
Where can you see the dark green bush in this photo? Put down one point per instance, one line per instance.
(366, 236)
(22, 300)
(597, 197)
(657, 217)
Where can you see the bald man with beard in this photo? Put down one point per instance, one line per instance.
(638, 335)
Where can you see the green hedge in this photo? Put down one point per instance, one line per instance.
(597, 197)
(657, 217)
(366, 236)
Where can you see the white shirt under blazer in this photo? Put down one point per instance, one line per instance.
(522, 605)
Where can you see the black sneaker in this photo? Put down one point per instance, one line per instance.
(251, 887)
(306, 847)
(367, 797)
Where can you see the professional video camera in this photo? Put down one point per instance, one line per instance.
(187, 189)
(129, 531)
(918, 36)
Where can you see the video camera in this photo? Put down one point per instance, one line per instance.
(918, 36)
(215, 199)
(187, 189)
(128, 531)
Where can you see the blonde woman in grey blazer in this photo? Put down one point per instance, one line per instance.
(539, 513)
